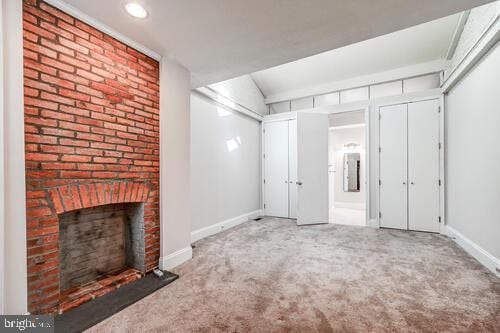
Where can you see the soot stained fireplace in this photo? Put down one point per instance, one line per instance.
(98, 242)
(101, 248)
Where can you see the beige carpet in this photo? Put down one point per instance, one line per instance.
(272, 276)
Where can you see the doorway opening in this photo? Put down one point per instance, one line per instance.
(347, 167)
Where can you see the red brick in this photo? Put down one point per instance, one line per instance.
(84, 194)
(56, 200)
(71, 142)
(40, 157)
(75, 174)
(74, 46)
(77, 203)
(75, 158)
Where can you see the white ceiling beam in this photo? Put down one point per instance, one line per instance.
(457, 34)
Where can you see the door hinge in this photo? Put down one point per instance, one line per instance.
(439, 109)
(379, 182)
(264, 181)
(264, 130)
(439, 219)
(379, 149)
(264, 206)
(264, 155)
(439, 182)
(379, 215)
(439, 145)
(379, 116)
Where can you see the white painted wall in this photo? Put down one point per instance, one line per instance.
(473, 156)
(244, 91)
(225, 163)
(337, 139)
(13, 241)
(175, 164)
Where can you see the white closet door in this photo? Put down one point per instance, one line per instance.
(276, 168)
(312, 168)
(423, 166)
(292, 168)
(393, 166)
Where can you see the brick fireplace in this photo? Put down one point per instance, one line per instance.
(92, 160)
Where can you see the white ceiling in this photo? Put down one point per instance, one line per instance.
(422, 43)
(221, 39)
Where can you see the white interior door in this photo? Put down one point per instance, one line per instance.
(292, 168)
(312, 168)
(423, 166)
(276, 168)
(393, 166)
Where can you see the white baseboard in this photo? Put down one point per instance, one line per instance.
(484, 257)
(223, 225)
(373, 223)
(175, 259)
(350, 205)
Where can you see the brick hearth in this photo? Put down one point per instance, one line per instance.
(92, 138)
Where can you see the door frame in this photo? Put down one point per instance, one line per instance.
(442, 165)
(366, 111)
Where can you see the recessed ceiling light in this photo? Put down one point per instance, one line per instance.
(136, 10)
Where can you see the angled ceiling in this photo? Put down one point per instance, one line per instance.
(422, 43)
(221, 39)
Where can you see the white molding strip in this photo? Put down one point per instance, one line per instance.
(457, 34)
(73, 11)
(177, 258)
(484, 257)
(373, 223)
(227, 102)
(221, 226)
(333, 128)
(431, 67)
(350, 205)
(489, 37)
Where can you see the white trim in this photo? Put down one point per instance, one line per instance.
(177, 258)
(223, 225)
(73, 11)
(457, 34)
(484, 257)
(489, 37)
(425, 68)
(2, 175)
(333, 128)
(15, 268)
(226, 102)
(372, 223)
(350, 205)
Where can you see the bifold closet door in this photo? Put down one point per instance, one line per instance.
(393, 166)
(423, 166)
(276, 168)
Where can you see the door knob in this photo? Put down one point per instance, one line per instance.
(404, 183)
(298, 183)
(412, 183)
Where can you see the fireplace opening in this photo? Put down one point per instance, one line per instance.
(100, 248)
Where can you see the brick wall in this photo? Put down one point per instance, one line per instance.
(91, 119)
